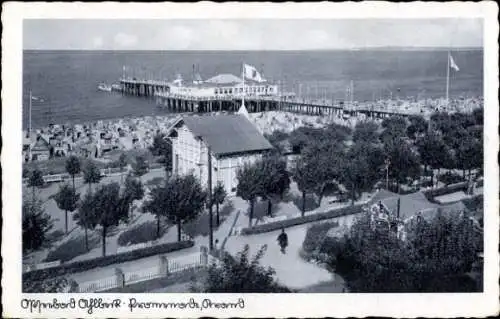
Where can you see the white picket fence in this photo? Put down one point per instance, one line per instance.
(98, 285)
(57, 178)
(177, 264)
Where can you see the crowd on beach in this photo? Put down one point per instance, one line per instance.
(97, 138)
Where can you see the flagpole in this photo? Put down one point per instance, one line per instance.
(243, 78)
(29, 123)
(448, 78)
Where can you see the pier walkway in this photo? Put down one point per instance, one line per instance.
(161, 91)
(203, 104)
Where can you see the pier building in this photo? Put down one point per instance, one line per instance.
(230, 140)
(227, 92)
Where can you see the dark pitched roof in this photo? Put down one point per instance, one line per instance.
(227, 134)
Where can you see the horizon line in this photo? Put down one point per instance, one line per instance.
(278, 50)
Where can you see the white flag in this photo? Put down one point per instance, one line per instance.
(250, 72)
(453, 65)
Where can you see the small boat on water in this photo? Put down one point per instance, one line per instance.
(104, 87)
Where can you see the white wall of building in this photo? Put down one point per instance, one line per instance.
(190, 155)
(237, 90)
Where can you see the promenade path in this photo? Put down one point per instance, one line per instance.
(291, 270)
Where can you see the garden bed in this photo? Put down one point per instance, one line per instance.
(315, 236)
(142, 233)
(264, 228)
(72, 248)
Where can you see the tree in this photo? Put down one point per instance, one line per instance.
(305, 175)
(187, 200)
(73, 167)
(240, 274)
(394, 127)
(67, 200)
(157, 204)
(134, 190)
(435, 256)
(404, 162)
(83, 216)
(91, 174)
(110, 207)
(326, 161)
(418, 126)
(122, 163)
(276, 180)
(361, 169)
(276, 138)
(219, 196)
(35, 180)
(250, 186)
(469, 153)
(36, 225)
(366, 132)
(140, 166)
(478, 115)
(181, 199)
(163, 147)
(433, 152)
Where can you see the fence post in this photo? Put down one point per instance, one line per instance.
(204, 256)
(163, 266)
(120, 277)
(74, 287)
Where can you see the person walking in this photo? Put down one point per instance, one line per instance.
(283, 240)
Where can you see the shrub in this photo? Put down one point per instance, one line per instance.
(157, 181)
(315, 236)
(53, 285)
(431, 193)
(141, 233)
(84, 265)
(449, 178)
(71, 249)
(264, 228)
(474, 203)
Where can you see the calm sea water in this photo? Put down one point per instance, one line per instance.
(67, 80)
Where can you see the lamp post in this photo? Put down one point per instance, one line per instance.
(210, 213)
(387, 164)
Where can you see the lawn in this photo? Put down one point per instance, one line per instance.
(72, 248)
(200, 226)
(142, 233)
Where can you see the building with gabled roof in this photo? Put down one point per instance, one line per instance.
(40, 149)
(231, 139)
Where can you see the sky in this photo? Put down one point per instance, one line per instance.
(256, 34)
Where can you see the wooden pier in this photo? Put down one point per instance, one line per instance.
(183, 103)
(160, 90)
(146, 88)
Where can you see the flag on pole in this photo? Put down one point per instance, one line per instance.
(453, 65)
(250, 72)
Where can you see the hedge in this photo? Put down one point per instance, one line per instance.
(449, 178)
(349, 210)
(65, 269)
(431, 193)
(264, 228)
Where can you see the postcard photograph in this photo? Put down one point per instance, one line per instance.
(341, 157)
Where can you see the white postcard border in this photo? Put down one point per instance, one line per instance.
(256, 305)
